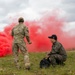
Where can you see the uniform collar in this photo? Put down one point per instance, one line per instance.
(54, 43)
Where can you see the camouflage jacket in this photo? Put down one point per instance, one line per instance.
(19, 32)
(57, 48)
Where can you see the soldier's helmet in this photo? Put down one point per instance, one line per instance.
(21, 19)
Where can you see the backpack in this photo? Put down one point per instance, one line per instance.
(44, 63)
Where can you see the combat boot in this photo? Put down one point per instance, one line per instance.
(27, 66)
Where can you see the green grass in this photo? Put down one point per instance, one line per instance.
(7, 66)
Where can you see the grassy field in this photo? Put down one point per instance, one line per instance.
(7, 66)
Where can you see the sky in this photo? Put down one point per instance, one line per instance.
(10, 10)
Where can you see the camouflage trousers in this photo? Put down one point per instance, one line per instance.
(23, 49)
(57, 59)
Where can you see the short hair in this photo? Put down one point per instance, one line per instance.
(20, 19)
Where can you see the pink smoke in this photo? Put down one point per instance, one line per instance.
(39, 32)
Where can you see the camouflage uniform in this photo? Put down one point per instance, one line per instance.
(19, 32)
(58, 54)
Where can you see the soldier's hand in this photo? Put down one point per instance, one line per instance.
(47, 56)
(30, 42)
(48, 53)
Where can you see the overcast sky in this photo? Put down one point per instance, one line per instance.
(33, 9)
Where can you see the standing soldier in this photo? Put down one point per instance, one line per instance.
(18, 33)
(58, 54)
